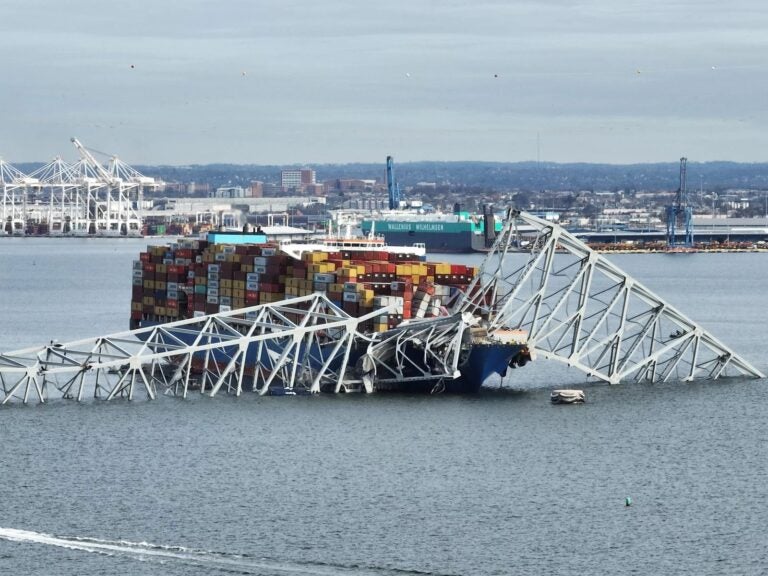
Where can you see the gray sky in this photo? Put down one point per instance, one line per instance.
(300, 81)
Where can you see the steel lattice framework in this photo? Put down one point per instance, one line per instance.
(83, 198)
(576, 307)
(301, 343)
(580, 309)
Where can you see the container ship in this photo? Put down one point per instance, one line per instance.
(456, 232)
(440, 233)
(229, 271)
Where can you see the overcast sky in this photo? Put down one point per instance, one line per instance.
(337, 81)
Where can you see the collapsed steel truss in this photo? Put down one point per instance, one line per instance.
(576, 307)
(299, 344)
(580, 309)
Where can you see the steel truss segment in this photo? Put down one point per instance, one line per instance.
(419, 351)
(302, 342)
(580, 309)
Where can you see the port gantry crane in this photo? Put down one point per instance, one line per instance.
(680, 211)
(82, 198)
(115, 213)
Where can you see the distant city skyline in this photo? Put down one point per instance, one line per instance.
(299, 83)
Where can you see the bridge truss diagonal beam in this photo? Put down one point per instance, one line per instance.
(580, 309)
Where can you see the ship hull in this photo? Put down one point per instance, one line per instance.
(435, 242)
(438, 236)
(484, 361)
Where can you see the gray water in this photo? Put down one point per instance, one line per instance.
(498, 483)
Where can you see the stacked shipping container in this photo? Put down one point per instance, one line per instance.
(194, 278)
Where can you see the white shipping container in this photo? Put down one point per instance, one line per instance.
(351, 297)
(259, 261)
(381, 301)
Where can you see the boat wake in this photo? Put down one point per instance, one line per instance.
(222, 561)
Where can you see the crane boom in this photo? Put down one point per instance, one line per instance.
(392, 188)
(95, 164)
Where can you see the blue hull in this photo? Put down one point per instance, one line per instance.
(482, 362)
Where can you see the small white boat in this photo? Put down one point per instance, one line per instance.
(567, 396)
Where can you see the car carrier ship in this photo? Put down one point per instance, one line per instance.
(230, 271)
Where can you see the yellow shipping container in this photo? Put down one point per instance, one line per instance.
(314, 256)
